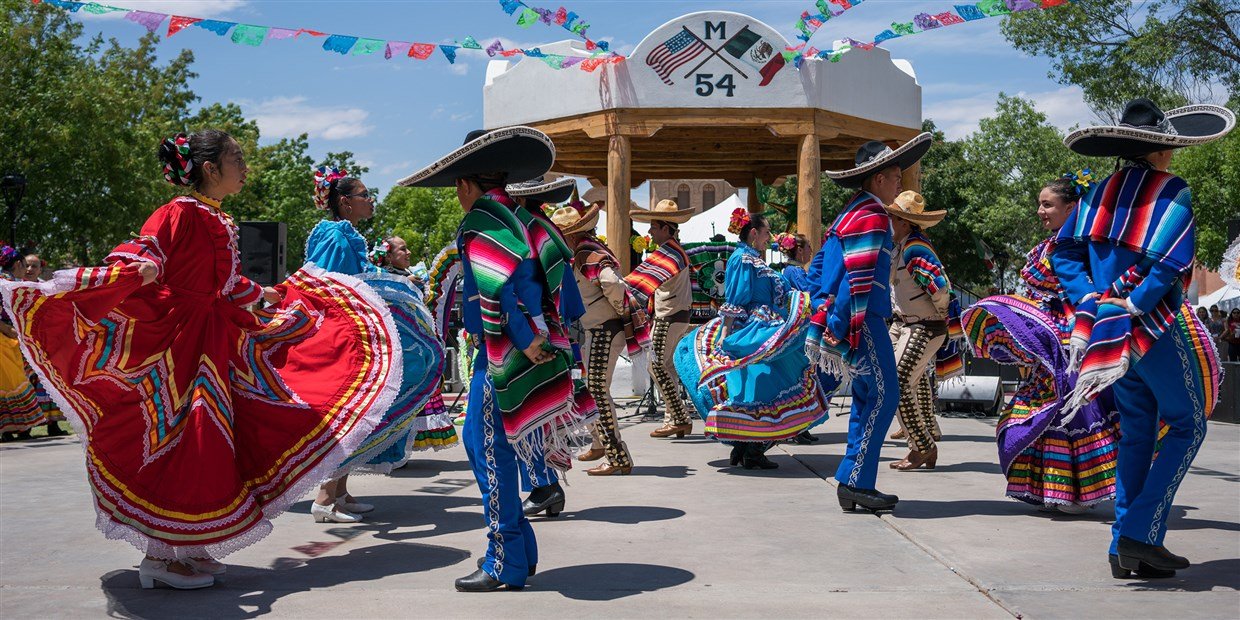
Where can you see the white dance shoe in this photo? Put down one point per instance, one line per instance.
(356, 508)
(332, 514)
(150, 571)
(207, 566)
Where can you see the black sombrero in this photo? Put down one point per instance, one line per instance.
(522, 153)
(544, 191)
(874, 156)
(1144, 129)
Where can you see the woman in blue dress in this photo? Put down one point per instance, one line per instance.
(335, 245)
(746, 369)
(797, 255)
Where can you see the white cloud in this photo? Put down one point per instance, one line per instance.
(286, 117)
(958, 117)
(459, 67)
(397, 167)
(188, 8)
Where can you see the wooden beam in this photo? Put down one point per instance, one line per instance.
(809, 206)
(911, 178)
(618, 186)
(753, 205)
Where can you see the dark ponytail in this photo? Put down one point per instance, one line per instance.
(755, 222)
(337, 188)
(183, 156)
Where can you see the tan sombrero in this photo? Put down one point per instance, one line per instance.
(911, 207)
(571, 221)
(666, 210)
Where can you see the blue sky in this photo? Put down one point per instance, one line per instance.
(397, 115)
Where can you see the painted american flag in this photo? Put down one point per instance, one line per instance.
(674, 52)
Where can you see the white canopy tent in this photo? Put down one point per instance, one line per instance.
(1225, 298)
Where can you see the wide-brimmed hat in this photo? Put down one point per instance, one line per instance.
(666, 210)
(543, 190)
(1144, 129)
(571, 221)
(520, 153)
(874, 156)
(911, 207)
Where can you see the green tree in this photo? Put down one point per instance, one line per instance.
(82, 123)
(1213, 174)
(426, 218)
(1170, 50)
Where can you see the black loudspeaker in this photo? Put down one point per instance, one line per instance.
(980, 395)
(262, 251)
(1233, 228)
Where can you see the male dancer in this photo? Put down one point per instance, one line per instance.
(921, 294)
(662, 282)
(1124, 257)
(614, 321)
(848, 338)
(521, 393)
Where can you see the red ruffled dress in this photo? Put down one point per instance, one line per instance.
(202, 420)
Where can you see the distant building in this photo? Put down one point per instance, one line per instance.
(700, 194)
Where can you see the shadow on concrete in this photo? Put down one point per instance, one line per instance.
(910, 508)
(627, 515)
(608, 582)
(410, 517)
(430, 469)
(663, 471)
(984, 467)
(247, 592)
(1179, 520)
(1204, 577)
(789, 467)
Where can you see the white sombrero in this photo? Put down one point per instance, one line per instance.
(1144, 129)
(521, 153)
(874, 156)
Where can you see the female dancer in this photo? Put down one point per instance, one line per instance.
(19, 405)
(797, 255)
(336, 245)
(202, 421)
(746, 369)
(1069, 468)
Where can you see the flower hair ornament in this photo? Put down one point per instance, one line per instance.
(1082, 181)
(786, 241)
(177, 172)
(323, 177)
(378, 253)
(8, 256)
(740, 218)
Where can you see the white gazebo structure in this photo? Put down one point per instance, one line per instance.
(708, 95)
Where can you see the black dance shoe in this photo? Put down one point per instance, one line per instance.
(483, 560)
(549, 498)
(479, 581)
(755, 457)
(1134, 553)
(803, 438)
(738, 454)
(1144, 571)
(870, 499)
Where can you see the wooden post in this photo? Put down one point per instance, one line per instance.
(809, 203)
(911, 178)
(753, 205)
(618, 201)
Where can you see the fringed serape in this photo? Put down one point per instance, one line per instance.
(662, 265)
(593, 256)
(1145, 211)
(531, 397)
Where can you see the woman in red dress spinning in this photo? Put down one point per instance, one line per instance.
(202, 419)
